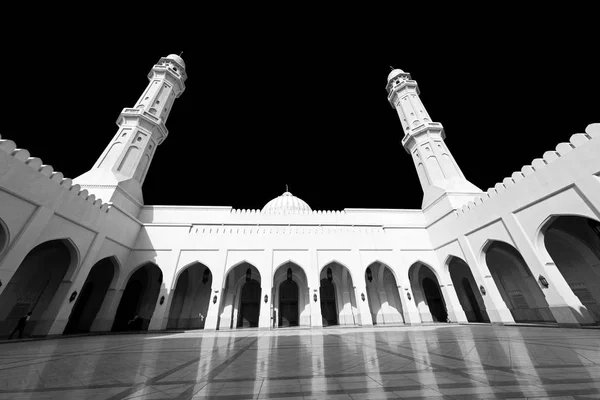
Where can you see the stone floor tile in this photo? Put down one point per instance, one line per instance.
(458, 362)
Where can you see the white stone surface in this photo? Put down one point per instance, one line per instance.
(400, 248)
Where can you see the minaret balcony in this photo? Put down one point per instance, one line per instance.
(130, 116)
(423, 129)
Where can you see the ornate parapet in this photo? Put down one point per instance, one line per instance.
(511, 183)
(9, 147)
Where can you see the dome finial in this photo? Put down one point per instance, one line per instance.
(286, 188)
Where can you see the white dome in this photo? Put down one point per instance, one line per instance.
(286, 204)
(394, 74)
(177, 59)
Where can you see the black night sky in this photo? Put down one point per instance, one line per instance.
(275, 103)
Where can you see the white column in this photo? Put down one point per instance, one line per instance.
(409, 308)
(559, 296)
(228, 299)
(389, 315)
(314, 284)
(265, 319)
(79, 278)
(106, 315)
(495, 306)
(160, 317)
(453, 307)
(212, 315)
(360, 288)
(407, 299)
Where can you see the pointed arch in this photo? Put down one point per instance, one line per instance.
(425, 286)
(233, 308)
(378, 261)
(139, 298)
(541, 230)
(289, 261)
(235, 266)
(291, 304)
(446, 264)
(35, 285)
(75, 257)
(481, 254)
(4, 237)
(338, 298)
(190, 297)
(514, 279)
(92, 294)
(184, 268)
(333, 262)
(467, 289)
(385, 303)
(571, 244)
(135, 269)
(425, 264)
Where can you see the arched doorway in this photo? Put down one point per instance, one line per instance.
(467, 290)
(426, 290)
(191, 298)
(434, 300)
(90, 298)
(4, 239)
(34, 285)
(338, 300)
(518, 288)
(240, 302)
(382, 291)
(291, 305)
(249, 305)
(472, 301)
(328, 304)
(573, 242)
(288, 303)
(139, 299)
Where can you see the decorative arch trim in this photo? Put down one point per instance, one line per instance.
(184, 268)
(138, 267)
(328, 265)
(4, 237)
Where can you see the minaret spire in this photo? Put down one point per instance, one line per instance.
(118, 175)
(423, 139)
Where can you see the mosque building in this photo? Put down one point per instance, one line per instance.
(87, 255)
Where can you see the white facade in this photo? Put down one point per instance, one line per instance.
(527, 250)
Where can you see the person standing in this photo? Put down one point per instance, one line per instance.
(21, 325)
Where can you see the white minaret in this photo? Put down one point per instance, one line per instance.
(118, 175)
(423, 139)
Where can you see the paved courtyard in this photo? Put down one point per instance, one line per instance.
(429, 362)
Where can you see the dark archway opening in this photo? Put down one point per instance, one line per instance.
(467, 291)
(328, 303)
(92, 295)
(249, 305)
(475, 314)
(139, 299)
(288, 303)
(191, 298)
(3, 237)
(518, 288)
(33, 287)
(434, 299)
(573, 242)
